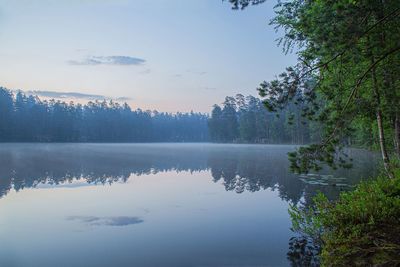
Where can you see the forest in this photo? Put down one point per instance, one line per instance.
(246, 120)
(26, 118)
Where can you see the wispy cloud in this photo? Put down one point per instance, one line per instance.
(108, 60)
(108, 221)
(74, 95)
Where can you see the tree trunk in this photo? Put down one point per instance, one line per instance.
(382, 143)
(378, 107)
(379, 119)
(397, 134)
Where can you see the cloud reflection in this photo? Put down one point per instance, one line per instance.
(108, 221)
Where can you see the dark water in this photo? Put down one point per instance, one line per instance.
(154, 204)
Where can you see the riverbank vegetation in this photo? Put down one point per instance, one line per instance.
(361, 228)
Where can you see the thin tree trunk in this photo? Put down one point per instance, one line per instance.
(382, 142)
(388, 83)
(379, 119)
(397, 134)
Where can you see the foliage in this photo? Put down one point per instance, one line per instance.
(347, 76)
(29, 119)
(241, 4)
(360, 229)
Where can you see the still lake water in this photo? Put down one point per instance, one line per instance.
(154, 204)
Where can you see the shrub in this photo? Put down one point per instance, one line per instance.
(361, 228)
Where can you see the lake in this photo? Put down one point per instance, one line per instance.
(155, 204)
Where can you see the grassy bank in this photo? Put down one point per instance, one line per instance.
(361, 228)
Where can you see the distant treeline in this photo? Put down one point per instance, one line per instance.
(26, 118)
(245, 119)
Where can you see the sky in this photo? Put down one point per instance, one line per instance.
(169, 55)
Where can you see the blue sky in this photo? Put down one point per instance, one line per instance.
(167, 55)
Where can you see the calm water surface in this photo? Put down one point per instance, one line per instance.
(154, 204)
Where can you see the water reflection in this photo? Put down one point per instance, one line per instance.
(240, 168)
(108, 221)
(303, 252)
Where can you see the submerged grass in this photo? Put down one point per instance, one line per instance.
(361, 228)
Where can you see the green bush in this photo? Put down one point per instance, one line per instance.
(361, 228)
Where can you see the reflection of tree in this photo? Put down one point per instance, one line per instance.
(238, 168)
(253, 169)
(303, 252)
(25, 166)
(261, 169)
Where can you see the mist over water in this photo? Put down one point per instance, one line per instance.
(119, 204)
